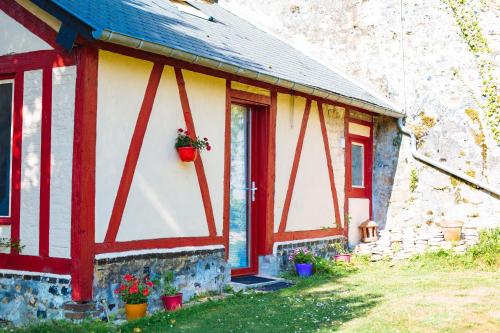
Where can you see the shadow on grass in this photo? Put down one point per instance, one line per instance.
(319, 303)
(312, 305)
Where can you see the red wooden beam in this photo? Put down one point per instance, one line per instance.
(35, 263)
(271, 174)
(30, 22)
(198, 163)
(329, 165)
(133, 153)
(159, 243)
(45, 162)
(305, 234)
(295, 166)
(249, 98)
(17, 146)
(227, 168)
(83, 176)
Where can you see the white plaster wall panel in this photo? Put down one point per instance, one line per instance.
(5, 233)
(335, 127)
(164, 199)
(311, 206)
(122, 83)
(30, 162)
(63, 111)
(15, 38)
(359, 211)
(288, 121)
(207, 98)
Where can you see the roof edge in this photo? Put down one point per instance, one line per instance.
(136, 43)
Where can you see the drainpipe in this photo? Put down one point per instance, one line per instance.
(441, 166)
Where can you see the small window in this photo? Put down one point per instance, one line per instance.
(357, 165)
(6, 109)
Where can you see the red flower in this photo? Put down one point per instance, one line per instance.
(123, 287)
(180, 130)
(117, 291)
(133, 290)
(145, 292)
(187, 132)
(209, 148)
(149, 284)
(128, 277)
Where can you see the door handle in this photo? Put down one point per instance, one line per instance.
(252, 189)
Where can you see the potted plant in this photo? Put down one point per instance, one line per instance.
(134, 292)
(452, 230)
(188, 146)
(172, 297)
(303, 260)
(342, 254)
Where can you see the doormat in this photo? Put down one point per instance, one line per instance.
(250, 279)
(275, 286)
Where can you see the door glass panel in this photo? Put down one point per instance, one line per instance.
(239, 215)
(357, 165)
(6, 89)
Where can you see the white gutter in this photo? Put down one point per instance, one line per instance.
(441, 166)
(120, 39)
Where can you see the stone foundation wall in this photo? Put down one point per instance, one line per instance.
(26, 298)
(399, 244)
(273, 265)
(195, 272)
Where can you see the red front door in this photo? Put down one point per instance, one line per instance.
(247, 188)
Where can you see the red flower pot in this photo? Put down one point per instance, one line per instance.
(172, 303)
(343, 257)
(187, 154)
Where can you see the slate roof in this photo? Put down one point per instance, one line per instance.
(227, 38)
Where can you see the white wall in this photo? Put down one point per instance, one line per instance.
(122, 82)
(312, 206)
(63, 110)
(288, 121)
(30, 162)
(164, 199)
(359, 212)
(15, 38)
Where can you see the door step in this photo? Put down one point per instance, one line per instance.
(260, 283)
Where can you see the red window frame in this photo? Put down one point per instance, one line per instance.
(367, 142)
(15, 162)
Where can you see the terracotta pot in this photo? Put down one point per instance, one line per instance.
(172, 303)
(187, 154)
(346, 257)
(135, 311)
(452, 230)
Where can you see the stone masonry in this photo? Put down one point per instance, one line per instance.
(438, 83)
(399, 244)
(195, 272)
(25, 298)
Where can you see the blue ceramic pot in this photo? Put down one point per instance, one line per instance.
(304, 270)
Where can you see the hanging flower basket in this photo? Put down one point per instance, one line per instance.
(187, 154)
(188, 146)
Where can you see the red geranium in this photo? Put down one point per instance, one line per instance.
(134, 290)
(184, 139)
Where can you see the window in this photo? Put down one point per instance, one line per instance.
(357, 165)
(6, 110)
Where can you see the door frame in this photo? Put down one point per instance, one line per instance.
(260, 105)
(367, 141)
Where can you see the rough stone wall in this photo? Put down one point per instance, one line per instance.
(195, 272)
(366, 39)
(26, 298)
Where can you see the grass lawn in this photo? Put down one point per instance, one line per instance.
(412, 296)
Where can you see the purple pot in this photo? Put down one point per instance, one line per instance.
(304, 270)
